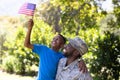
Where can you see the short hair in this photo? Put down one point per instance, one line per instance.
(64, 39)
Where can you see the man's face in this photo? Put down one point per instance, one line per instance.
(57, 41)
(68, 50)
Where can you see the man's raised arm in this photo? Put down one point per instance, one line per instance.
(27, 42)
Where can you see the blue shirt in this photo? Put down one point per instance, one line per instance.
(48, 62)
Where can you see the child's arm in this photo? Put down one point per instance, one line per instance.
(27, 42)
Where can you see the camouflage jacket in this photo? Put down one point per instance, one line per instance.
(70, 72)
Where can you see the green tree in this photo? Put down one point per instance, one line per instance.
(107, 66)
(70, 16)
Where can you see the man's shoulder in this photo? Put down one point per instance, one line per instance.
(63, 59)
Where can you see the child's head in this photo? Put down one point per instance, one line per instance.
(58, 41)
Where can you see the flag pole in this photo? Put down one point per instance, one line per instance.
(33, 17)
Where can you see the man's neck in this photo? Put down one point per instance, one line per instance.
(70, 60)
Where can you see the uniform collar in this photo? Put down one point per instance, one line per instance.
(71, 65)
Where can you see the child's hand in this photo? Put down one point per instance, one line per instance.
(82, 66)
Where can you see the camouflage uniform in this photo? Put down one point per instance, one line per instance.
(70, 72)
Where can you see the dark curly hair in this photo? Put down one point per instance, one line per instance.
(63, 38)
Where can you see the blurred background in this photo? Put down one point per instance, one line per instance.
(95, 21)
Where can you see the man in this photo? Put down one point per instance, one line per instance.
(68, 67)
(49, 57)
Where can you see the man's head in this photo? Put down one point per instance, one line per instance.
(76, 47)
(58, 41)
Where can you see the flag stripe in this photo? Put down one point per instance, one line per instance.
(27, 9)
(27, 12)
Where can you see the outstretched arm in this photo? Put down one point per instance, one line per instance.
(27, 38)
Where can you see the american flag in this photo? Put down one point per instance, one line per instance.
(27, 9)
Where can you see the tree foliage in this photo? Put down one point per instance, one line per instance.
(70, 15)
(106, 66)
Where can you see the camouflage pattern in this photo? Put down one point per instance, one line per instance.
(70, 72)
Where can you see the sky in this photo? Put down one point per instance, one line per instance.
(107, 5)
(11, 7)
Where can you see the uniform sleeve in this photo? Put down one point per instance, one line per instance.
(38, 49)
(89, 77)
(86, 76)
(60, 66)
(58, 69)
